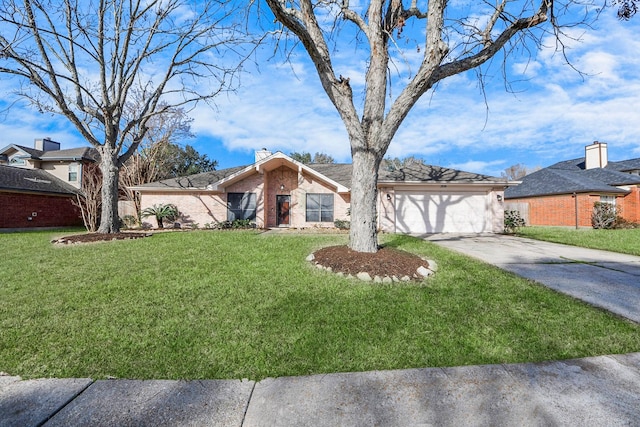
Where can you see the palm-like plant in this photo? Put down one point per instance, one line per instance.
(167, 212)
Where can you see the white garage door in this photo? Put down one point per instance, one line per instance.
(441, 212)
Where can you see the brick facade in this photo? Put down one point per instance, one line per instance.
(17, 211)
(202, 207)
(560, 210)
(630, 205)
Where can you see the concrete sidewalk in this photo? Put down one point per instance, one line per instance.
(595, 391)
(604, 279)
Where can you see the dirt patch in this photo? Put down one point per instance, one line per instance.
(98, 237)
(387, 262)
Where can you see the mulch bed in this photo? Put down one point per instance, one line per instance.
(98, 237)
(386, 262)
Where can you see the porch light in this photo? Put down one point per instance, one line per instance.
(388, 197)
(499, 197)
(281, 187)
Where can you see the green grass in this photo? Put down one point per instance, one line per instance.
(207, 304)
(623, 241)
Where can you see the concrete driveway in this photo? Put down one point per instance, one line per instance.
(605, 279)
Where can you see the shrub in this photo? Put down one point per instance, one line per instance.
(342, 224)
(512, 221)
(622, 223)
(162, 213)
(129, 221)
(235, 224)
(605, 216)
(242, 223)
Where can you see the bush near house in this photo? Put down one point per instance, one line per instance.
(607, 216)
(342, 224)
(512, 221)
(162, 213)
(236, 224)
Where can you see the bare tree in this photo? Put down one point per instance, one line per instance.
(322, 158)
(89, 200)
(517, 171)
(457, 37)
(86, 59)
(153, 159)
(305, 157)
(626, 8)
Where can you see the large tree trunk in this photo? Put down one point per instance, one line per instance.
(109, 221)
(363, 236)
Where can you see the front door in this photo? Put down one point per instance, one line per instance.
(282, 205)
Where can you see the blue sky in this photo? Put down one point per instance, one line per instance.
(551, 113)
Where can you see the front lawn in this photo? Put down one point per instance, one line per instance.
(623, 241)
(206, 304)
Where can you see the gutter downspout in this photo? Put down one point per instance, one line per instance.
(575, 196)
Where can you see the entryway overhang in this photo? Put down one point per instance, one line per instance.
(273, 162)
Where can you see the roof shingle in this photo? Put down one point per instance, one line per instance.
(341, 174)
(32, 180)
(570, 176)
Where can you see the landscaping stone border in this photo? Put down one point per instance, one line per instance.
(420, 274)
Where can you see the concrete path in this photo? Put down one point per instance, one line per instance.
(605, 279)
(596, 391)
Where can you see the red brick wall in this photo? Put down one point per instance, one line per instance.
(630, 205)
(560, 210)
(51, 211)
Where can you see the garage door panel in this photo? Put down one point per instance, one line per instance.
(440, 212)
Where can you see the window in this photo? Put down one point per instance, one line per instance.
(608, 199)
(241, 206)
(319, 207)
(17, 161)
(73, 172)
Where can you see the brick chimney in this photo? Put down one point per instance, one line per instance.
(595, 155)
(262, 154)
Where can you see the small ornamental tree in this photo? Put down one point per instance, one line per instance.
(162, 213)
(89, 200)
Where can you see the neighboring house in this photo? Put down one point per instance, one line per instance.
(564, 194)
(35, 198)
(38, 185)
(278, 191)
(65, 165)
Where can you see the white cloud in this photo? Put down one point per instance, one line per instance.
(554, 113)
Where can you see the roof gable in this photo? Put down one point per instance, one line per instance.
(27, 152)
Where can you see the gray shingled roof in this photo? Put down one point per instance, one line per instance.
(570, 176)
(419, 172)
(200, 180)
(625, 165)
(338, 172)
(32, 180)
(84, 153)
(341, 173)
